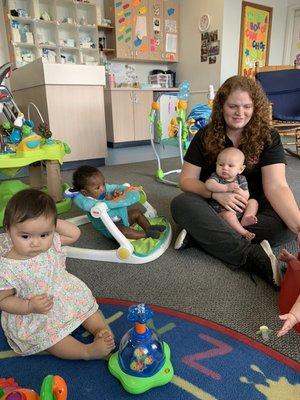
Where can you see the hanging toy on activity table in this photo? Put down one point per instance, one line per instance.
(143, 360)
(183, 95)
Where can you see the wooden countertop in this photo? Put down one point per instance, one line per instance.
(139, 89)
(40, 72)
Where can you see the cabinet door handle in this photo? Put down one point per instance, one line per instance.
(134, 97)
(162, 55)
(136, 53)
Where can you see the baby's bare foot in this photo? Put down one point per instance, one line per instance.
(103, 332)
(248, 235)
(248, 220)
(99, 349)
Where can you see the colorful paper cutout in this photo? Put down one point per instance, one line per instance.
(141, 26)
(143, 10)
(171, 11)
(156, 10)
(170, 56)
(171, 43)
(137, 42)
(156, 25)
(170, 26)
(143, 48)
(152, 45)
(125, 6)
(121, 20)
(118, 4)
(135, 3)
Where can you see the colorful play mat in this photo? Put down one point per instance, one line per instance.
(211, 362)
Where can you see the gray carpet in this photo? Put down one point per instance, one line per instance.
(189, 281)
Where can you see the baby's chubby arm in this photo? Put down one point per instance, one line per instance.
(39, 304)
(68, 232)
(217, 187)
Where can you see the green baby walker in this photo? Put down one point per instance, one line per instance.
(176, 135)
(22, 146)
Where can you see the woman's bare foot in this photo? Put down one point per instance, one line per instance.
(248, 220)
(285, 256)
(248, 235)
(99, 349)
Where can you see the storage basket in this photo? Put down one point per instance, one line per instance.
(163, 80)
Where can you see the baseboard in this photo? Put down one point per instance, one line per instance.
(95, 162)
(121, 145)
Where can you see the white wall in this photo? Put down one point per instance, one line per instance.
(200, 74)
(293, 2)
(4, 56)
(289, 51)
(231, 34)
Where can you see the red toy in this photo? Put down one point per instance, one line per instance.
(53, 388)
(290, 288)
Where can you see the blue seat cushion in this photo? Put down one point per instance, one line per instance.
(283, 90)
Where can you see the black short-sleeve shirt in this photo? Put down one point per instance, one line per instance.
(272, 153)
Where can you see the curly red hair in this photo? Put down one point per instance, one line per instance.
(256, 133)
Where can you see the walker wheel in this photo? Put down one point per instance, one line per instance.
(123, 253)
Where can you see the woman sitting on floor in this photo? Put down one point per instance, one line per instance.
(240, 118)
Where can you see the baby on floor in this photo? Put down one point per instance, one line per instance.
(90, 182)
(41, 303)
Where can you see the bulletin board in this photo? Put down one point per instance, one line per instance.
(256, 23)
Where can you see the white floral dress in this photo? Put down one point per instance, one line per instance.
(45, 273)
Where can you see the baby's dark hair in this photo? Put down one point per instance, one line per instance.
(29, 204)
(82, 174)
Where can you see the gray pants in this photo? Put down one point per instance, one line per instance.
(217, 238)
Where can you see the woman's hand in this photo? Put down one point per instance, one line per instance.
(290, 321)
(231, 201)
(40, 304)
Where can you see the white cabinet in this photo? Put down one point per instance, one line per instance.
(126, 115)
(61, 31)
(70, 99)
